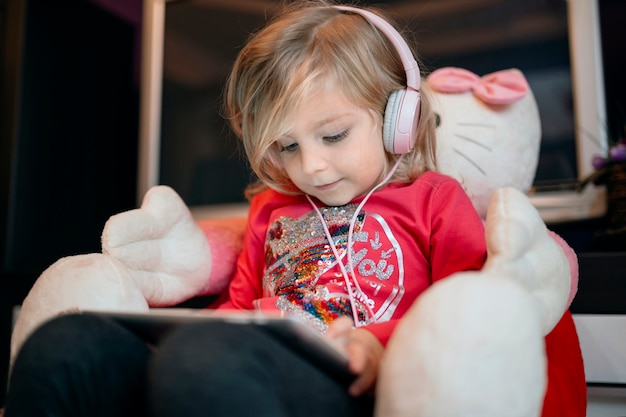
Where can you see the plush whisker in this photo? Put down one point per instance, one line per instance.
(471, 161)
(474, 141)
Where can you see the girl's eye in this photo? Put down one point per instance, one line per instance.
(289, 148)
(337, 137)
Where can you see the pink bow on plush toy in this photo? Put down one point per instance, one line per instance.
(500, 87)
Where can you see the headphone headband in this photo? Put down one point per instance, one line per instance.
(408, 61)
(403, 106)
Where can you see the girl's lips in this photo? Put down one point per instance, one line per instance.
(327, 187)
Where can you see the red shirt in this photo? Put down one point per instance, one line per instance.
(407, 236)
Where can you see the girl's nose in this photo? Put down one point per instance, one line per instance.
(312, 160)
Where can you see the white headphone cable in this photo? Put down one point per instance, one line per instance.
(342, 267)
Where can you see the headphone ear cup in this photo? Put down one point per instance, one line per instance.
(391, 116)
(400, 121)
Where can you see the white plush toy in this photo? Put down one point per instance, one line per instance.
(488, 138)
(472, 346)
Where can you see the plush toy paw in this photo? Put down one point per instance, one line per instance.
(471, 345)
(162, 246)
(93, 281)
(520, 246)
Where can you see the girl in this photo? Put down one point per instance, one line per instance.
(349, 223)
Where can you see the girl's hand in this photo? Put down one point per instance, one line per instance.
(364, 352)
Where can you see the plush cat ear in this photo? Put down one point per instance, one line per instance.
(452, 80)
(498, 88)
(502, 87)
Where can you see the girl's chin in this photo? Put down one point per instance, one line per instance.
(338, 194)
(334, 201)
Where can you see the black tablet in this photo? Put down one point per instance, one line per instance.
(156, 323)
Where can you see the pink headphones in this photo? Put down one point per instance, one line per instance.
(403, 106)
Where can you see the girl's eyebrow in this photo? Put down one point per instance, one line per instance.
(331, 119)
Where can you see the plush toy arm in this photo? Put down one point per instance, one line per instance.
(155, 255)
(520, 246)
(162, 246)
(468, 333)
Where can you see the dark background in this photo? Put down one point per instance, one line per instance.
(68, 138)
(69, 106)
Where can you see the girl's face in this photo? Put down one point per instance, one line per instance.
(334, 151)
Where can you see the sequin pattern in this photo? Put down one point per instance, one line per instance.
(297, 254)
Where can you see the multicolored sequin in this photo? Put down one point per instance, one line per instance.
(297, 255)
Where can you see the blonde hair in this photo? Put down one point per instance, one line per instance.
(308, 45)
